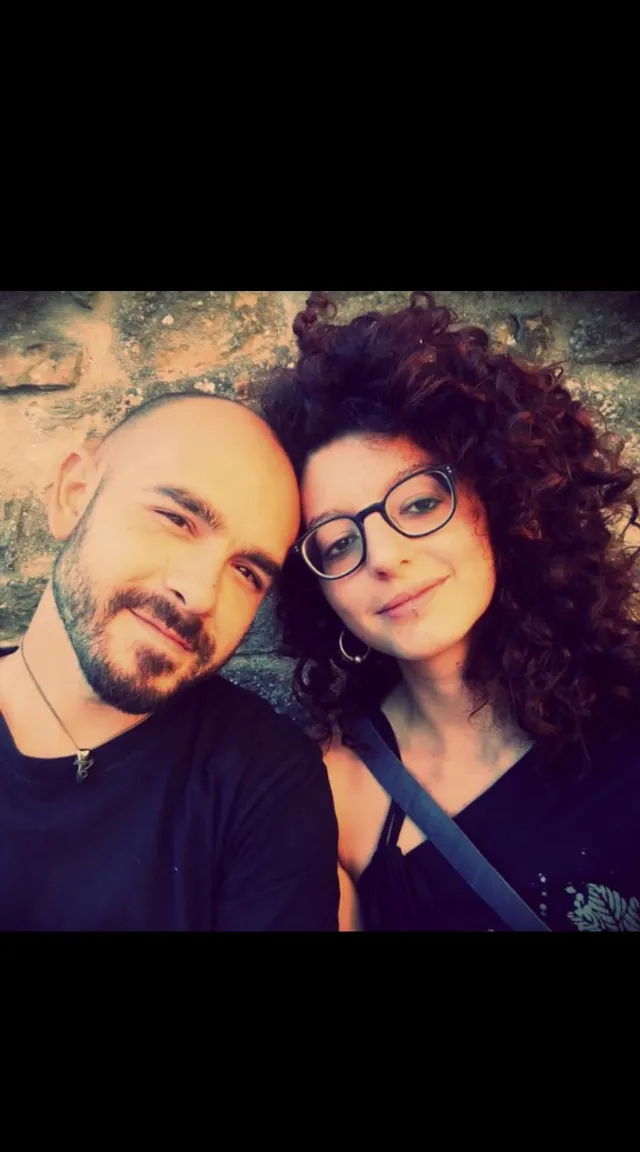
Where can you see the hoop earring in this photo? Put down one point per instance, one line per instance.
(352, 659)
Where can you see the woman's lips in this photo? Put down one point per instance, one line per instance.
(409, 605)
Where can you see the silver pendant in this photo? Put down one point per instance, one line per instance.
(82, 764)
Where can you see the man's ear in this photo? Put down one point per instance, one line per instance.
(75, 483)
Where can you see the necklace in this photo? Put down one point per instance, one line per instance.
(83, 760)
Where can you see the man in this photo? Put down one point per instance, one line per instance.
(138, 790)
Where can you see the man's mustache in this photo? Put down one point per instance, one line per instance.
(187, 627)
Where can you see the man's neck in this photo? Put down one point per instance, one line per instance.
(54, 666)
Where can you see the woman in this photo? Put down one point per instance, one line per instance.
(463, 580)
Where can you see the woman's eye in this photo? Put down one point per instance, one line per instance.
(423, 504)
(339, 547)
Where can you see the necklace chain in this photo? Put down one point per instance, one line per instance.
(83, 759)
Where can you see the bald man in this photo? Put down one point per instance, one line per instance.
(138, 790)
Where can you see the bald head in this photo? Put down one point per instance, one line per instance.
(215, 449)
(223, 409)
(205, 437)
(141, 411)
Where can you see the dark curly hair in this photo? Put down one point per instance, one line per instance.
(560, 640)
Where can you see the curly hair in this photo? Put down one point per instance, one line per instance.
(560, 640)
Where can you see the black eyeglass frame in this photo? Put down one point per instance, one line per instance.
(359, 518)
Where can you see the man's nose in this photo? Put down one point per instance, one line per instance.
(195, 579)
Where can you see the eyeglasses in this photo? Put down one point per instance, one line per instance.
(416, 506)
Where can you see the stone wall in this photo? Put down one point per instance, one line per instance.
(72, 363)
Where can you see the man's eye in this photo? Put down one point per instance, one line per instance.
(174, 517)
(250, 576)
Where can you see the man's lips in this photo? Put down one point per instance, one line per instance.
(163, 630)
(408, 597)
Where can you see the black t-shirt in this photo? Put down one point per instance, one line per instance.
(565, 836)
(214, 814)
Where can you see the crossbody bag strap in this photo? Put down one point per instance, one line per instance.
(442, 831)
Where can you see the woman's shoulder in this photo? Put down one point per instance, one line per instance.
(342, 755)
(342, 761)
(359, 801)
(348, 774)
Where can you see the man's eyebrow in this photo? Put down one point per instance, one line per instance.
(402, 475)
(207, 513)
(191, 503)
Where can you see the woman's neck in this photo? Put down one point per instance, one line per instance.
(434, 711)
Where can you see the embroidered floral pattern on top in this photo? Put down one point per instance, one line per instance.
(604, 910)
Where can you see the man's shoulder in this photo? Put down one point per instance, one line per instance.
(242, 716)
(245, 749)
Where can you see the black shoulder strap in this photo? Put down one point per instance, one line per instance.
(443, 832)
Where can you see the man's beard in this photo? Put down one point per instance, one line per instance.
(85, 622)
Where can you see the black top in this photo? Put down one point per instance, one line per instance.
(566, 837)
(213, 814)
